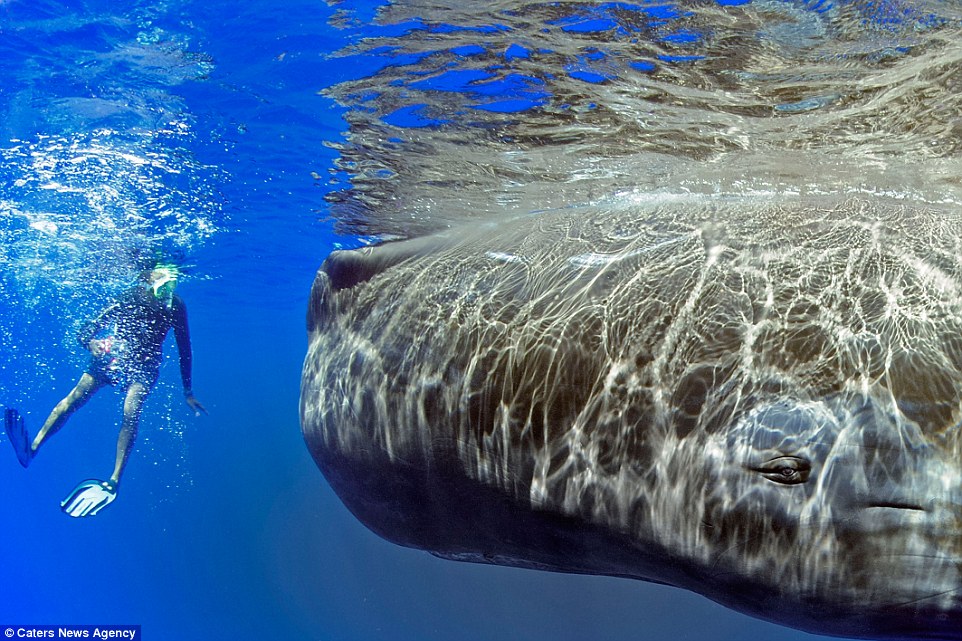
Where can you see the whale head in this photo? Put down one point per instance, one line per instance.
(761, 404)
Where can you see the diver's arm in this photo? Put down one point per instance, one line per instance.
(86, 334)
(182, 335)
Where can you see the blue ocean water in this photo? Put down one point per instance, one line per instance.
(201, 132)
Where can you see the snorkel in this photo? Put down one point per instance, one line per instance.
(162, 283)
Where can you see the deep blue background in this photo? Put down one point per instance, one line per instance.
(224, 528)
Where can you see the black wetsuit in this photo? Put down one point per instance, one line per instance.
(140, 324)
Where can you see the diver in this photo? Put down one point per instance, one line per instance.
(125, 342)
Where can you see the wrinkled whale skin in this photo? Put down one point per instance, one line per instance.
(757, 400)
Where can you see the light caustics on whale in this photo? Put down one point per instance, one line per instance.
(755, 400)
(727, 353)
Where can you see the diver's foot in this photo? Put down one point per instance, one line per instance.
(17, 434)
(89, 497)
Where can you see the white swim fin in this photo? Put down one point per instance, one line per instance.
(88, 498)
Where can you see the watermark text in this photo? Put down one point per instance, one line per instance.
(92, 632)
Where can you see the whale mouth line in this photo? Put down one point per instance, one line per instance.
(897, 505)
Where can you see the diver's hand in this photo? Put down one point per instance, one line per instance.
(195, 404)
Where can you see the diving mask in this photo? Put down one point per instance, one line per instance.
(163, 284)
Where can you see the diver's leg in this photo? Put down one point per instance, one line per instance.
(78, 396)
(133, 404)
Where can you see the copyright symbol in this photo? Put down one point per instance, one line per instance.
(8, 632)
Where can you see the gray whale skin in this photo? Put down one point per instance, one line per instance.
(757, 401)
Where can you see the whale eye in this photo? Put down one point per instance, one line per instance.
(787, 470)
